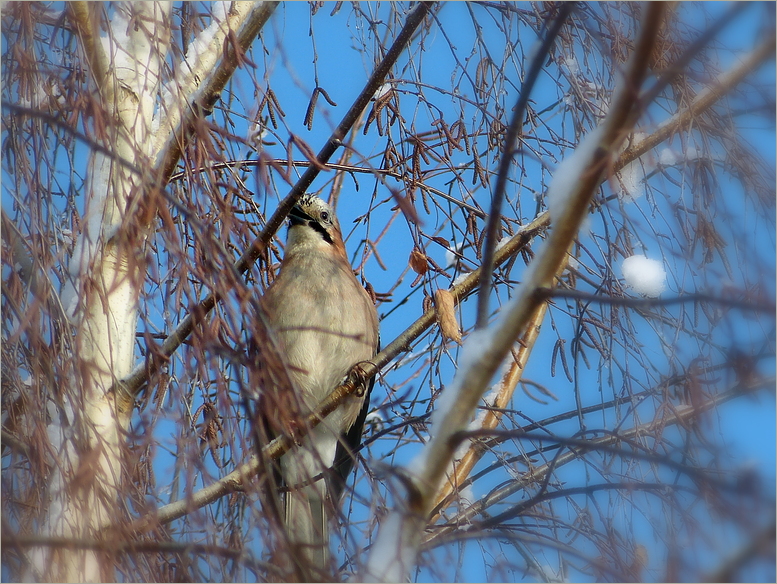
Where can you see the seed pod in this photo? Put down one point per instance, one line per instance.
(446, 315)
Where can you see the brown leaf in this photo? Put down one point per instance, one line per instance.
(418, 262)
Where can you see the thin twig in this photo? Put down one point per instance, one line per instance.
(132, 384)
(536, 475)
(762, 306)
(511, 139)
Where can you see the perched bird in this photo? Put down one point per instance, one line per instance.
(324, 323)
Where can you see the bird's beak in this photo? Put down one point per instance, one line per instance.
(298, 217)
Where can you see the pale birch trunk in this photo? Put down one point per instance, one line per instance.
(106, 273)
(146, 127)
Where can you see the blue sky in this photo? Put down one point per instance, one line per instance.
(745, 428)
(743, 423)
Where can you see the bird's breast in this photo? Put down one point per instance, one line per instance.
(324, 321)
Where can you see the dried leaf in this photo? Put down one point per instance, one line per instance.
(446, 315)
(418, 262)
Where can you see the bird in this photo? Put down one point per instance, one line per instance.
(324, 323)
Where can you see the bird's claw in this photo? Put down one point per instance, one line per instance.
(357, 377)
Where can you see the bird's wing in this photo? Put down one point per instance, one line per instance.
(345, 455)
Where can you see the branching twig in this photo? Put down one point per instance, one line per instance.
(763, 306)
(493, 345)
(132, 385)
(279, 445)
(537, 475)
(702, 102)
(461, 291)
(511, 139)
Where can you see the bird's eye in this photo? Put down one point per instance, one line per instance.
(324, 215)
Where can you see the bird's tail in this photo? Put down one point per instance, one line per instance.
(308, 532)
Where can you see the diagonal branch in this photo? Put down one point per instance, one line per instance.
(679, 415)
(593, 157)
(675, 124)
(511, 140)
(236, 480)
(191, 97)
(398, 541)
(129, 387)
(706, 98)
(462, 468)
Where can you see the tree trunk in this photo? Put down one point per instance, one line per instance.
(106, 274)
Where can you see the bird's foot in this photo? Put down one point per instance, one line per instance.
(358, 378)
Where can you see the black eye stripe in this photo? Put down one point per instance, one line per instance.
(316, 226)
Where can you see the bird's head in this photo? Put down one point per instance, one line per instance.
(313, 224)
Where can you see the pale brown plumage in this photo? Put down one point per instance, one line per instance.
(324, 323)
